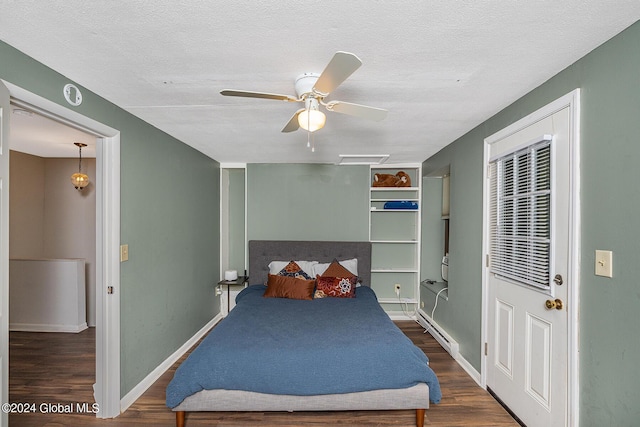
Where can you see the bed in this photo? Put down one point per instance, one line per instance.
(322, 354)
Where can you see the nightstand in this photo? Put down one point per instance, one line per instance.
(240, 281)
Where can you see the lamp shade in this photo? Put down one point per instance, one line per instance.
(311, 120)
(79, 180)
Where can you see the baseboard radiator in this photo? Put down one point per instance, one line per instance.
(445, 340)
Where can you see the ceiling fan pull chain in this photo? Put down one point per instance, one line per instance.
(308, 131)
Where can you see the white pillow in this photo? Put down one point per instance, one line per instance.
(349, 264)
(307, 266)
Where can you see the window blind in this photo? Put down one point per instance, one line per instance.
(520, 215)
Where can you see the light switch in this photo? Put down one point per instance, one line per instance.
(604, 263)
(124, 253)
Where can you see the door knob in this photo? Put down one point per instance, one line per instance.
(551, 304)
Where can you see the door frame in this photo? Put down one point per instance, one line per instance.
(572, 101)
(107, 386)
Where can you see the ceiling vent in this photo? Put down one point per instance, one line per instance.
(362, 159)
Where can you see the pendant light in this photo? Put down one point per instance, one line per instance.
(79, 179)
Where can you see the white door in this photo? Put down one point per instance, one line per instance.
(4, 251)
(528, 230)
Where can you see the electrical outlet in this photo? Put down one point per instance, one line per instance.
(397, 288)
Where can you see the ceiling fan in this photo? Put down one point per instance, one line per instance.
(313, 88)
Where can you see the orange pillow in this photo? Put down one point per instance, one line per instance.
(289, 287)
(336, 269)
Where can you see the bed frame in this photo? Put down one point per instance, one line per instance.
(261, 253)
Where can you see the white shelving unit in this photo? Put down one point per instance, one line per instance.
(395, 238)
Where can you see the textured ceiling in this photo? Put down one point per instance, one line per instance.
(439, 67)
(43, 137)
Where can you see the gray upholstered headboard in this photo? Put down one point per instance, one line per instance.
(262, 252)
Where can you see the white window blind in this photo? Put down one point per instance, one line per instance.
(520, 215)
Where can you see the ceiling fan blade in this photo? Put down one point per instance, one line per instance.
(263, 95)
(358, 110)
(341, 66)
(293, 125)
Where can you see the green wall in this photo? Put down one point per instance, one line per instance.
(307, 202)
(170, 225)
(609, 78)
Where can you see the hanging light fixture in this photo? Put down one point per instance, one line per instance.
(311, 119)
(79, 179)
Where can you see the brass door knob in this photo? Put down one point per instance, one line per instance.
(551, 304)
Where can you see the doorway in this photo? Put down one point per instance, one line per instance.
(52, 252)
(530, 280)
(107, 383)
(51, 220)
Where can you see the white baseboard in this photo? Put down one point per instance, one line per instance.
(448, 344)
(38, 327)
(148, 381)
(475, 375)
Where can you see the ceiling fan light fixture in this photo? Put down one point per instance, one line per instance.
(312, 89)
(311, 120)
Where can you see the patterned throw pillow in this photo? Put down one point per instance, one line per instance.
(293, 270)
(337, 287)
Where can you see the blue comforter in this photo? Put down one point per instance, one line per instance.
(295, 347)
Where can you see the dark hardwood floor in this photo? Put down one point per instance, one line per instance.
(59, 369)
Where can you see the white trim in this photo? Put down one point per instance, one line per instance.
(484, 322)
(38, 327)
(469, 369)
(572, 101)
(233, 165)
(4, 252)
(542, 138)
(137, 391)
(246, 220)
(574, 268)
(107, 387)
(59, 112)
(397, 166)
